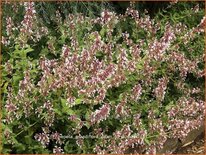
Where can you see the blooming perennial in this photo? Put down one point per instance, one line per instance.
(129, 86)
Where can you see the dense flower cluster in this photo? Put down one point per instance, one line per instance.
(93, 64)
(29, 28)
(188, 109)
(160, 90)
(137, 90)
(100, 114)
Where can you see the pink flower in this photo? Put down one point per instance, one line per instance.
(43, 138)
(161, 88)
(136, 92)
(100, 114)
(57, 150)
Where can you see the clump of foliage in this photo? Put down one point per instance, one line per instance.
(100, 84)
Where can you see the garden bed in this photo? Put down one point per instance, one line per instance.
(102, 83)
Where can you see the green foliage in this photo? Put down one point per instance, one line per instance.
(17, 60)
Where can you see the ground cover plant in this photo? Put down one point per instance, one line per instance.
(101, 83)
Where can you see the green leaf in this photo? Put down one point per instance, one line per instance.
(69, 147)
(87, 116)
(29, 49)
(22, 52)
(65, 108)
(147, 141)
(102, 32)
(28, 139)
(87, 124)
(70, 112)
(16, 79)
(63, 101)
(58, 112)
(168, 107)
(6, 150)
(78, 101)
(19, 147)
(4, 89)
(64, 105)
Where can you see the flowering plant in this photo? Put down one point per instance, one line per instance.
(121, 81)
